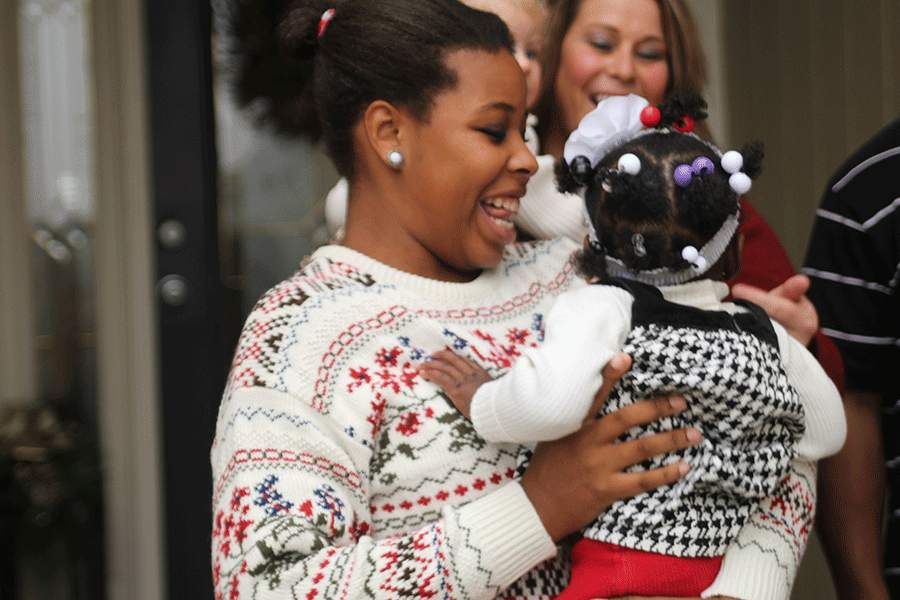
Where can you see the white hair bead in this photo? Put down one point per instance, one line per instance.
(690, 254)
(630, 163)
(740, 183)
(732, 161)
(700, 263)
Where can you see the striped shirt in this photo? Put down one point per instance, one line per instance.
(854, 264)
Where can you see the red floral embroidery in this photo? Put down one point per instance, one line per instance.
(358, 377)
(484, 336)
(388, 358)
(518, 336)
(358, 529)
(409, 423)
(376, 417)
(231, 529)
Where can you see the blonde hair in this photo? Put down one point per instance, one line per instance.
(687, 63)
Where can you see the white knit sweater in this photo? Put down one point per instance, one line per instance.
(340, 473)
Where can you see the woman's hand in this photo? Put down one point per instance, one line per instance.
(786, 304)
(573, 479)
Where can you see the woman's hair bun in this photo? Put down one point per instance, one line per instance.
(298, 83)
(269, 48)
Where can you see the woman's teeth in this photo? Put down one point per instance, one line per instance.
(510, 206)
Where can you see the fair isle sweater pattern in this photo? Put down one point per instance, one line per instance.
(337, 473)
(294, 509)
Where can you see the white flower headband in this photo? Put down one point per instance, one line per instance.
(618, 120)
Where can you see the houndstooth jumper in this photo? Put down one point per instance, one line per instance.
(339, 473)
(727, 366)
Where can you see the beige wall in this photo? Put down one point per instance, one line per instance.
(17, 368)
(812, 79)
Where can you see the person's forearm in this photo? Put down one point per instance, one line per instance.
(825, 422)
(761, 563)
(293, 517)
(851, 497)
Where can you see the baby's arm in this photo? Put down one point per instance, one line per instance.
(457, 375)
(826, 422)
(549, 390)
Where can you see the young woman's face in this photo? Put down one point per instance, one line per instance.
(612, 48)
(466, 169)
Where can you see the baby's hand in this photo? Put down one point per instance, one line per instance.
(459, 377)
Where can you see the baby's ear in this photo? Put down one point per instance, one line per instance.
(570, 178)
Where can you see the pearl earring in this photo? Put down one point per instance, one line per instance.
(395, 158)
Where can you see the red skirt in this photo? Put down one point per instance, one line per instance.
(601, 570)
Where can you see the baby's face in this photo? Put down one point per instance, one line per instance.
(525, 20)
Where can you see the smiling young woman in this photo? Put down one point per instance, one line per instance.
(339, 472)
(599, 48)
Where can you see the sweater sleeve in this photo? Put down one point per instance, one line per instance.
(826, 423)
(761, 563)
(547, 213)
(548, 391)
(292, 512)
(766, 265)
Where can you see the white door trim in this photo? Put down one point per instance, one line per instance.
(18, 371)
(126, 328)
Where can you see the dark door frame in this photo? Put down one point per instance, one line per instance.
(193, 361)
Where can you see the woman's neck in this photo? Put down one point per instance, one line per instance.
(372, 230)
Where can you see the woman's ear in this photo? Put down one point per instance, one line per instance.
(384, 125)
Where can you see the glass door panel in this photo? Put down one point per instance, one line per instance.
(271, 198)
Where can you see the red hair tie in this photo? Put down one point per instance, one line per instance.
(323, 22)
(685, 124)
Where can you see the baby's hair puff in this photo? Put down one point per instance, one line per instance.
(662, 204)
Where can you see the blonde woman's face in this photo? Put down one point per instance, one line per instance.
(612, 48)
(525, 19)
